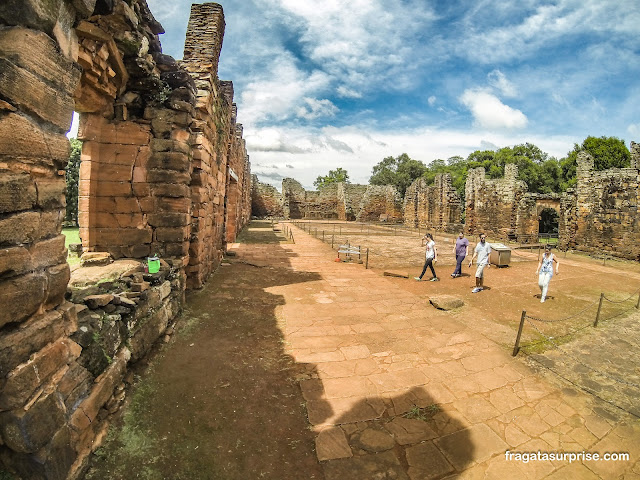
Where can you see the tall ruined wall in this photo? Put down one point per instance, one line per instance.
(380, 201)
(491, 206)
(340, 201)
(601, 214)
(436, 206)
(322, 203)
(136, 108)
(160, 142)
(219, 205)
(293, 199)
(349, 201)
(266, 200)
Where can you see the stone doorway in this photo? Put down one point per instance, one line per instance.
(548, 221)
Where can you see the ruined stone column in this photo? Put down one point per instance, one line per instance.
(635, 155)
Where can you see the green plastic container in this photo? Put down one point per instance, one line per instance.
(154, 264)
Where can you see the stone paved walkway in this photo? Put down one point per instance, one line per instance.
(397, 389)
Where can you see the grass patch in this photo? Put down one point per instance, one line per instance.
(71, 235)
(425, 414)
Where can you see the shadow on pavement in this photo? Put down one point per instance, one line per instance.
(222, 399)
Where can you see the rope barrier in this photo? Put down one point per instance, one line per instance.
(537, 319)
(622, 301)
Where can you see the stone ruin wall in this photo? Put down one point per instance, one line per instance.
(266, 200)
(437, 207)
(380, 202)
(529, 210)
(339, 201)
(350, 198)
(600, 215)
(491, 206)
(293, 199)
(164, 167)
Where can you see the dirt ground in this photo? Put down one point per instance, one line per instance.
(230, 406)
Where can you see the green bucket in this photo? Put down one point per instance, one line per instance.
(154, 264)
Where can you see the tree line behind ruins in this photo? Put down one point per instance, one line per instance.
(541, 173)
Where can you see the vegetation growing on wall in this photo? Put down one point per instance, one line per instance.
(335, 176)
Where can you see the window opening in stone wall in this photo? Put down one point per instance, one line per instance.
(72, 181)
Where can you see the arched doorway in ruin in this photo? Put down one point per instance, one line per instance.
(548, 220)
(548, 212)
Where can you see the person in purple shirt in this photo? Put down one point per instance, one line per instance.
(461, 250)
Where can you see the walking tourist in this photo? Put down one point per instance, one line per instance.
(431, 256)
(482, 251)
(545, 267)
(461, 250)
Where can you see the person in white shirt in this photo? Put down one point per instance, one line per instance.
(431, 256)
(545, 267)
(482, 251)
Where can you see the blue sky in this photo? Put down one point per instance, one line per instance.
(321, 85)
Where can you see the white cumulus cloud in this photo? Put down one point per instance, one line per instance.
(489, 112)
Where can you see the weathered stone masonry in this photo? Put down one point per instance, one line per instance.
(164, 170)
(436, 206)
(341, 201)
(601, 214)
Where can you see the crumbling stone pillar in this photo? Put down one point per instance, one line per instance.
(266, 200)
(293, 195)
(635, 155)
(491, 206)
(220, 167)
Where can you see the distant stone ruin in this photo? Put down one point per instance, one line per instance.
(164, 170)
(436, 206)
(600, 215)
(339, 201)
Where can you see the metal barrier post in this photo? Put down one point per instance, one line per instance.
(516, 347)
(595, 324)
(323, 235)
(638, 303)
(332, 236)
(366, 264)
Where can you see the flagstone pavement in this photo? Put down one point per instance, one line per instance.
(397, 389)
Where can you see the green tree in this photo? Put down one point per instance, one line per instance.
(398, 171)
(335, 176)
(607, 152)
(72, 178)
